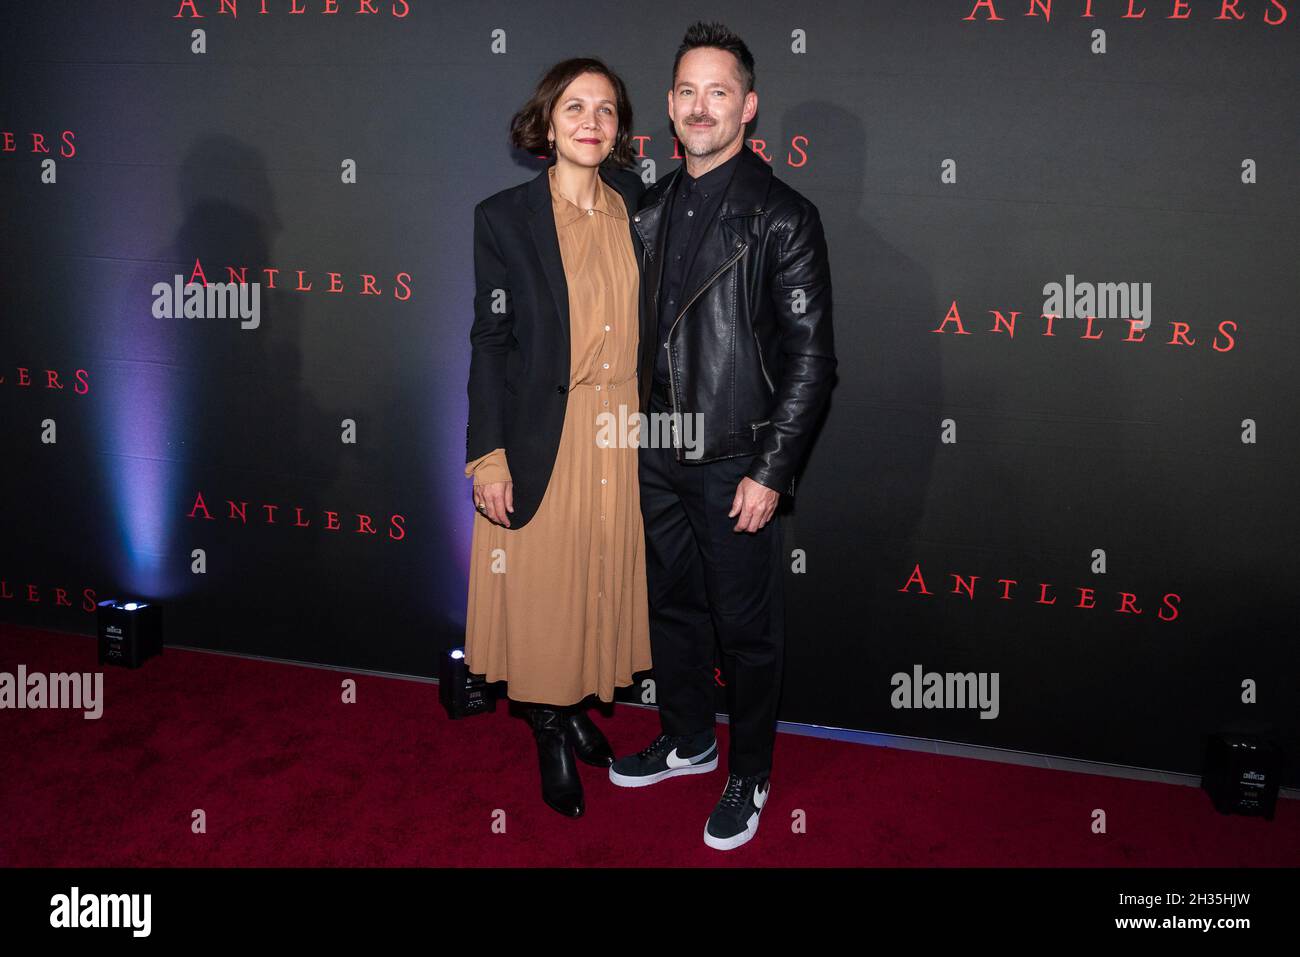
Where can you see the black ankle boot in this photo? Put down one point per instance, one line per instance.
(561, 786)
(589, 744)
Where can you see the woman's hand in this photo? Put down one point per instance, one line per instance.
(498, 499)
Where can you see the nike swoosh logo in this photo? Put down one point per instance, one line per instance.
(760, 797)
(675, 762)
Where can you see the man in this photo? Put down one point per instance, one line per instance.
(736, 340)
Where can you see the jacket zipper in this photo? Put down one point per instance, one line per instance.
(755, 426)
(672, 373)
(761, 364)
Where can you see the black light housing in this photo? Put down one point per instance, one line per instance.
(463, 694)
(130, 632)
(1242, 774)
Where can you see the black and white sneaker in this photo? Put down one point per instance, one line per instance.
(666, 757)
(735, 820)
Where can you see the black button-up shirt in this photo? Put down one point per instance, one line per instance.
(692, 204)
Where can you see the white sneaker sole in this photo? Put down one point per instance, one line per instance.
(731, 843)
(640, 781)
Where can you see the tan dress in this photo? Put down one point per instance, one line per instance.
(568, 616)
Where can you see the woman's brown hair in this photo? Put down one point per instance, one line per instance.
(528, 126)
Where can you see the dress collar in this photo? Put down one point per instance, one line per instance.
(608, 202)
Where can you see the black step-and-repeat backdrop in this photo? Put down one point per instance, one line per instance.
(1061, 458)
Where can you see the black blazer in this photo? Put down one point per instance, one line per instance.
(519, 362)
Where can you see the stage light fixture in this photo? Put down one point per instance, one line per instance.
(463, 694)
(1242, 773)
(130, 632)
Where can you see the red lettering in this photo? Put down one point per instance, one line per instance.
(200, 504)
(1127, 604)
(970, 585)
(1180, 332)
(916, 576)
(1161, 614)
(1230, 5)
(953, 316)
(983, 4)
(1000, 321)
(1231, 341)
(803, 155)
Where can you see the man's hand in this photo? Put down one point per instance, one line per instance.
(499, 497)
(754, 503)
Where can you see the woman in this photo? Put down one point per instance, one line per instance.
(557, 594)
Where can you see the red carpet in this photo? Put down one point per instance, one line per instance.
(290, 776)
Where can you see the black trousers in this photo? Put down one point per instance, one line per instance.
(704, 578)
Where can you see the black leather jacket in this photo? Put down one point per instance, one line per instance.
(751, 349)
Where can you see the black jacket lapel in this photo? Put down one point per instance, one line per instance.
(541, 222)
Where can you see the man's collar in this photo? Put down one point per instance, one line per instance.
(746, 195)
(714, 177)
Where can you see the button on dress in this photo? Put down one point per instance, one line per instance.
(558, 607)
